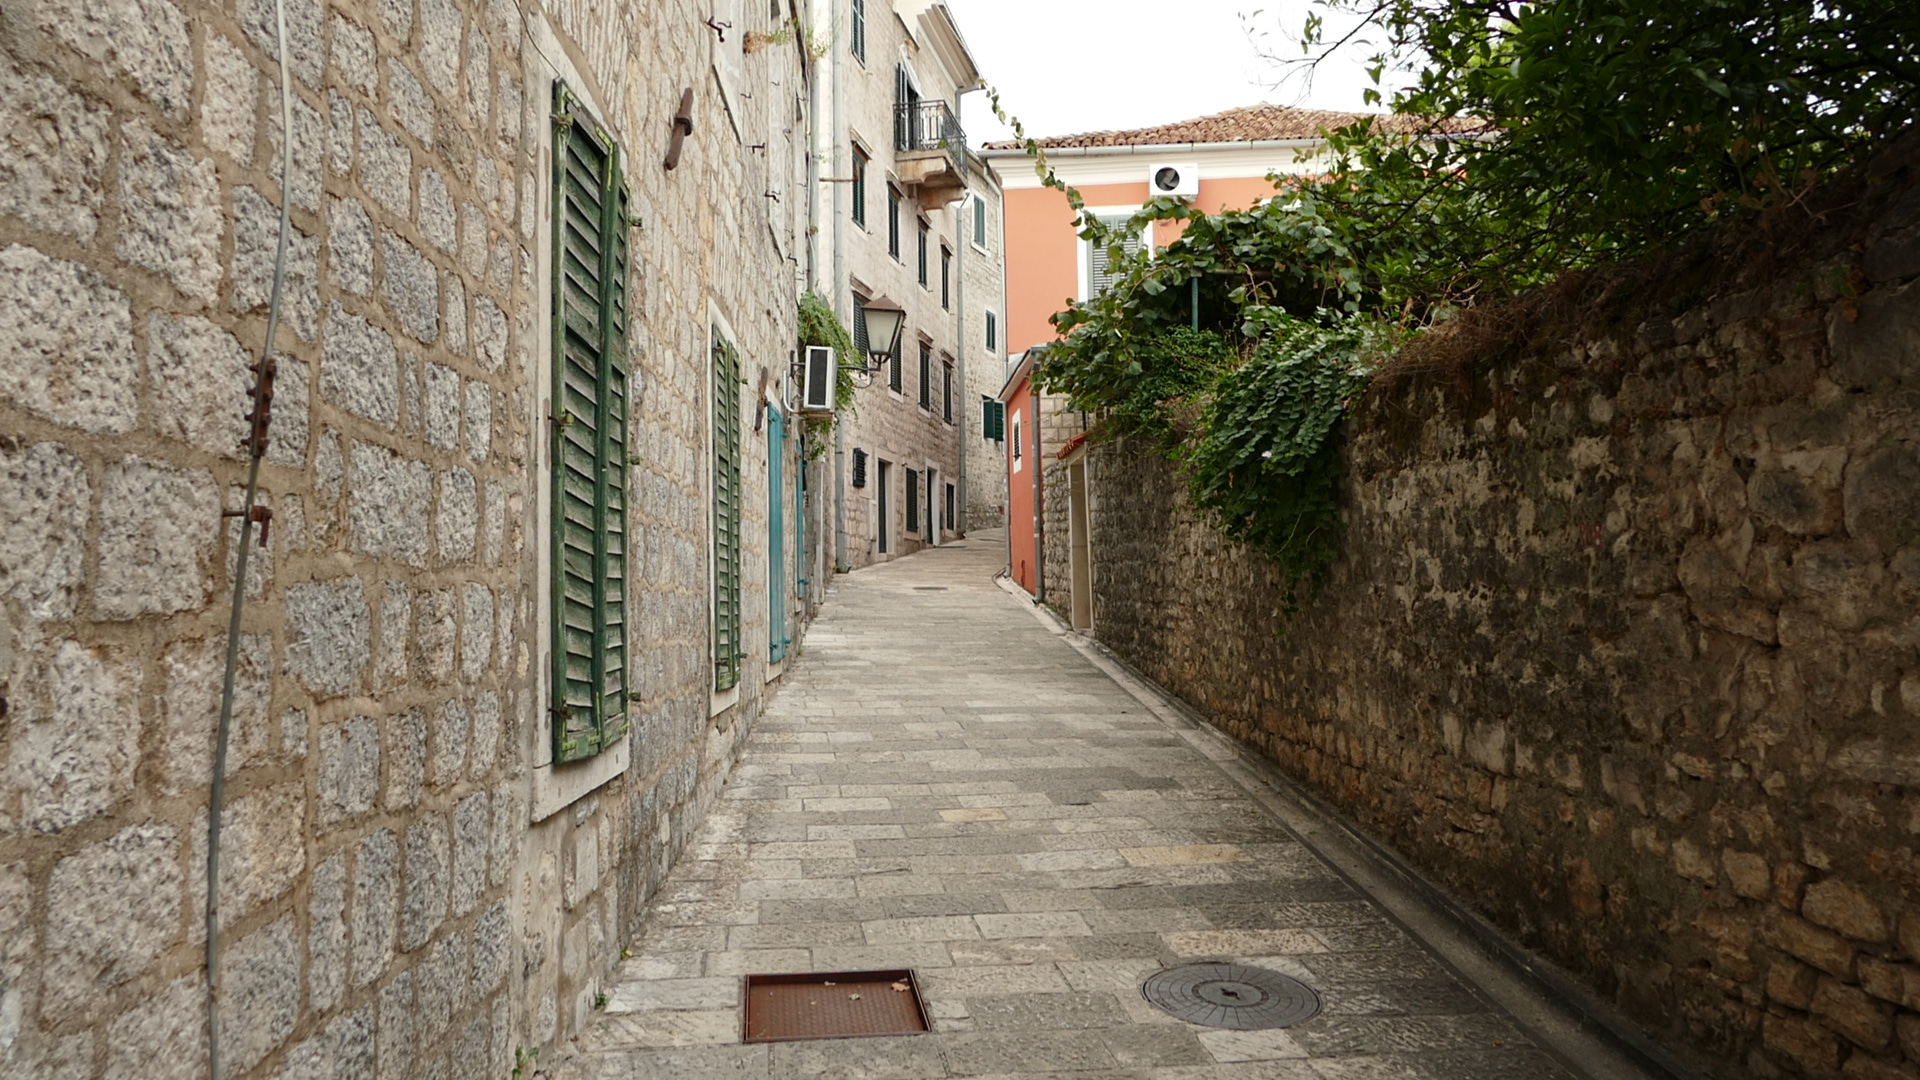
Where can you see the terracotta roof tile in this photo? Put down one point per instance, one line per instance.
(1251, 123)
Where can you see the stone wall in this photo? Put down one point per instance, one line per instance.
(410, 889)
(1623, 649)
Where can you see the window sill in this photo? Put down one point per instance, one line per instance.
(722, 700)
(556, 787)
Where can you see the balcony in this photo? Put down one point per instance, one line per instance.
(930, 150)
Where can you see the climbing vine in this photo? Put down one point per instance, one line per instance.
(820, 326)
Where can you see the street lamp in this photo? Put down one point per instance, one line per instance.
(885, 320)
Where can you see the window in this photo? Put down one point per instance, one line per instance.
(893, 370)
(946, 278)
(946, 391)
(979, 222)
(923, 253)
(1100, 265)
(860, 30)
(893, 221)
(949, 518)
(859, 187)
(588, 448)
(993, 419)
(885, 524)
(726, 514)
(993, 332)
(913, 501)
(1015, 442)
(860, 326)
(926, 376)
(859, 467)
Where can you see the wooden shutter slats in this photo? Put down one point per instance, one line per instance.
(589, 436)
(726, 513)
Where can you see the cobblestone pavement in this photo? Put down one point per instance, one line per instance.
(943, 784)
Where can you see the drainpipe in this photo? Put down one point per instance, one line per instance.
(1039, 493)
(960, 243)
(842, 297)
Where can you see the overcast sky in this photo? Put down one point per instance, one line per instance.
(1067, 66)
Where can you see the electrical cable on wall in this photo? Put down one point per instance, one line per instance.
(259, 417)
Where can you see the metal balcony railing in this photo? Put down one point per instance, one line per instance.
(930, 125)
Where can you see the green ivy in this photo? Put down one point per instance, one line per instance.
(820, 326)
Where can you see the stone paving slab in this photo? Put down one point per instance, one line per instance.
(943, 785)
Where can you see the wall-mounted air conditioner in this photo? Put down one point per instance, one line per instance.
(1182, 178)
(816, 395)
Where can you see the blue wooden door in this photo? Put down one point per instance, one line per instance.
(777, 640)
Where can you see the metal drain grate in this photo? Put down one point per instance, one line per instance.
(1231, 996)
(839, 1005)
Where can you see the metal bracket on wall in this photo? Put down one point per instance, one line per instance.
(682, 127)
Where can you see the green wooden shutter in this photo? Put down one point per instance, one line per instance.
(726, 514)
(589, 444)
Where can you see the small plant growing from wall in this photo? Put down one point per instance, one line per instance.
(820, 326)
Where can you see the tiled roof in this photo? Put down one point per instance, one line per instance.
(1251, 123)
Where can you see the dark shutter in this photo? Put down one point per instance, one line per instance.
(993, 419)
(993, 331)
(860, 327)
(589, 443)
(859, 467)
(726, 514)
(946, 392)
(859, 188)
(913, 501)
(893, 221)
(893, 369)
(926, 376)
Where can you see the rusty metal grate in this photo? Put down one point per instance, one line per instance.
(839, 1005)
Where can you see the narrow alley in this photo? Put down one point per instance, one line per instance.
(986, 807)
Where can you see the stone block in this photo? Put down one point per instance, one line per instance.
(1862, 1067)
(472, 826)
(1791, 983)
(51, 176)
(163, 1036)
(451, 722)
(329, 636)
(484, 746)
(376, 879)
(441, 25)
(435, 631)
(349, 777)
(340, 135)
(396, 1037)
(473, 240)
(406, 758)
(66, 343)
(424, 903)
(388, 504)
(200, 379)
(441, 420)
(1883, 496)
(351, 51)
(350, 246)
(476, 632)
(146, 42)
(410, 103)
(1748, 872)
(1803, 1041)
(306, 54)
(489, 333)
(256, 241)
(386, 166)
(260, 995)
(390, 655)
(343, 1050)
(1797, 937)
(458, 516)
(359, 368)
(44, 508)
(171, 218)
(311, 134)
(73, 742)
(438, 982)
(456, 322)
(158, 525)
(327, 933)
(1852, 1013)
(1839, 906)
(410, 289)
(439, 221)
(479, 420)
(112, 908)
(262, 852)
(1879, 347)
(492, 948)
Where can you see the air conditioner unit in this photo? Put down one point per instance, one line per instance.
(817, 389)
(1181, 178)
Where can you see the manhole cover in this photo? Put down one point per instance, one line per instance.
(1231, 996)
(835, 1005)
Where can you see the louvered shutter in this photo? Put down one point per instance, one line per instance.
(860, 327)
(913, 501)
(859, 467)
(589, 446)
(1100, 265)
(726, 514)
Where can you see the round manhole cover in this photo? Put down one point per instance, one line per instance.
(1231, 996)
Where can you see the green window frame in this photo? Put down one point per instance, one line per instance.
(727, 514)
(588, 450)
(859, 34)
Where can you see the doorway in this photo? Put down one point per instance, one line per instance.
(883, 525)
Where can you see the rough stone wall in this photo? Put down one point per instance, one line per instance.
(396, 902)
(984, 269)
(1624, 649)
